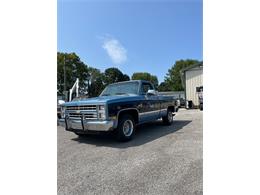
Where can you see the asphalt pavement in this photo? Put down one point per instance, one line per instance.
(159, 160)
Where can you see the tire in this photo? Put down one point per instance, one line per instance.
(126, 128)
(168, 119)
(201, 107)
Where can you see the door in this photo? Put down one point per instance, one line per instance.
(150, 104)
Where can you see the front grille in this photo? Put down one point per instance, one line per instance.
(86, 115)
(84, 108)
(88, 111)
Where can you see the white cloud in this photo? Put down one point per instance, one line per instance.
(115, 50)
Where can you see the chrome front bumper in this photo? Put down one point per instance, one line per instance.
(86, 125)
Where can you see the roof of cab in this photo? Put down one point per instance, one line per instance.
(139, 81)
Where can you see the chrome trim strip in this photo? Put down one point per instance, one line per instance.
(150, 112)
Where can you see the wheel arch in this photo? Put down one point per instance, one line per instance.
(131, 111)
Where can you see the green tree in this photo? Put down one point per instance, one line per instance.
(173, 77)
(95, 83)
(126, 77)
(113, 75)
(146, 76)
(164, 87)
(74, 68)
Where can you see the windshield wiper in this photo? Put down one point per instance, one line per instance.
(120, 93)
(106, 94)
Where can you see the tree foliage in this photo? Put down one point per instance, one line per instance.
(126, 77)
(74, 68)
(96, 84)
(146, 76)
(164, 87)
(113, 75)
(173, 77)
(92, 81)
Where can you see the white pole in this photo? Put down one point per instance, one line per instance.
(70, 94)
(77, 88)
(76, 85)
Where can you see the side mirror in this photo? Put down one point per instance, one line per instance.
(61, 102)
(151, 92)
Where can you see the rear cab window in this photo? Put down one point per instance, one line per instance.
(145, 87)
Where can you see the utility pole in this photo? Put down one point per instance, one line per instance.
(64, 76)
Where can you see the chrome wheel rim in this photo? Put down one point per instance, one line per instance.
(128, 127)
(170, 116)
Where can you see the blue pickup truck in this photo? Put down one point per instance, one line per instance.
(119, 108)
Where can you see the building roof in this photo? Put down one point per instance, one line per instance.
(200, 64)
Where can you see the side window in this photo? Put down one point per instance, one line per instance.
(145, 87)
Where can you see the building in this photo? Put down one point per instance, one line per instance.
(192, 78)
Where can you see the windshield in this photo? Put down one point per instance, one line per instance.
(121, 89)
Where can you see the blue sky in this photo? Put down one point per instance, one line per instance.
(134, 36)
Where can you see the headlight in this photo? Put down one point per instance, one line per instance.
(102, 115)
(101, 112)
(101, 107)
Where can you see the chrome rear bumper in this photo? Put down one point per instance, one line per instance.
(86, 125)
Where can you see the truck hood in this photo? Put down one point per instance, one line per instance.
(102, 100)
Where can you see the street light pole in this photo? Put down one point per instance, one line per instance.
(64, 76)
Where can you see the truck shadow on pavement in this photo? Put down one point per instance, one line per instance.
(144, 133)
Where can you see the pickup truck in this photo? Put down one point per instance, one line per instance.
(119, 108)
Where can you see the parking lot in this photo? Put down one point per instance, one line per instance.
(159, 160)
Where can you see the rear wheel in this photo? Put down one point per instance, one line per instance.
(168, 119)
(201, 106)
(126, 128)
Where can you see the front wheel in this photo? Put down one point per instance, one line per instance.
(126, 128)
(168, 119)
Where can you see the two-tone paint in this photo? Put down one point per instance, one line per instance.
(144, 107)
